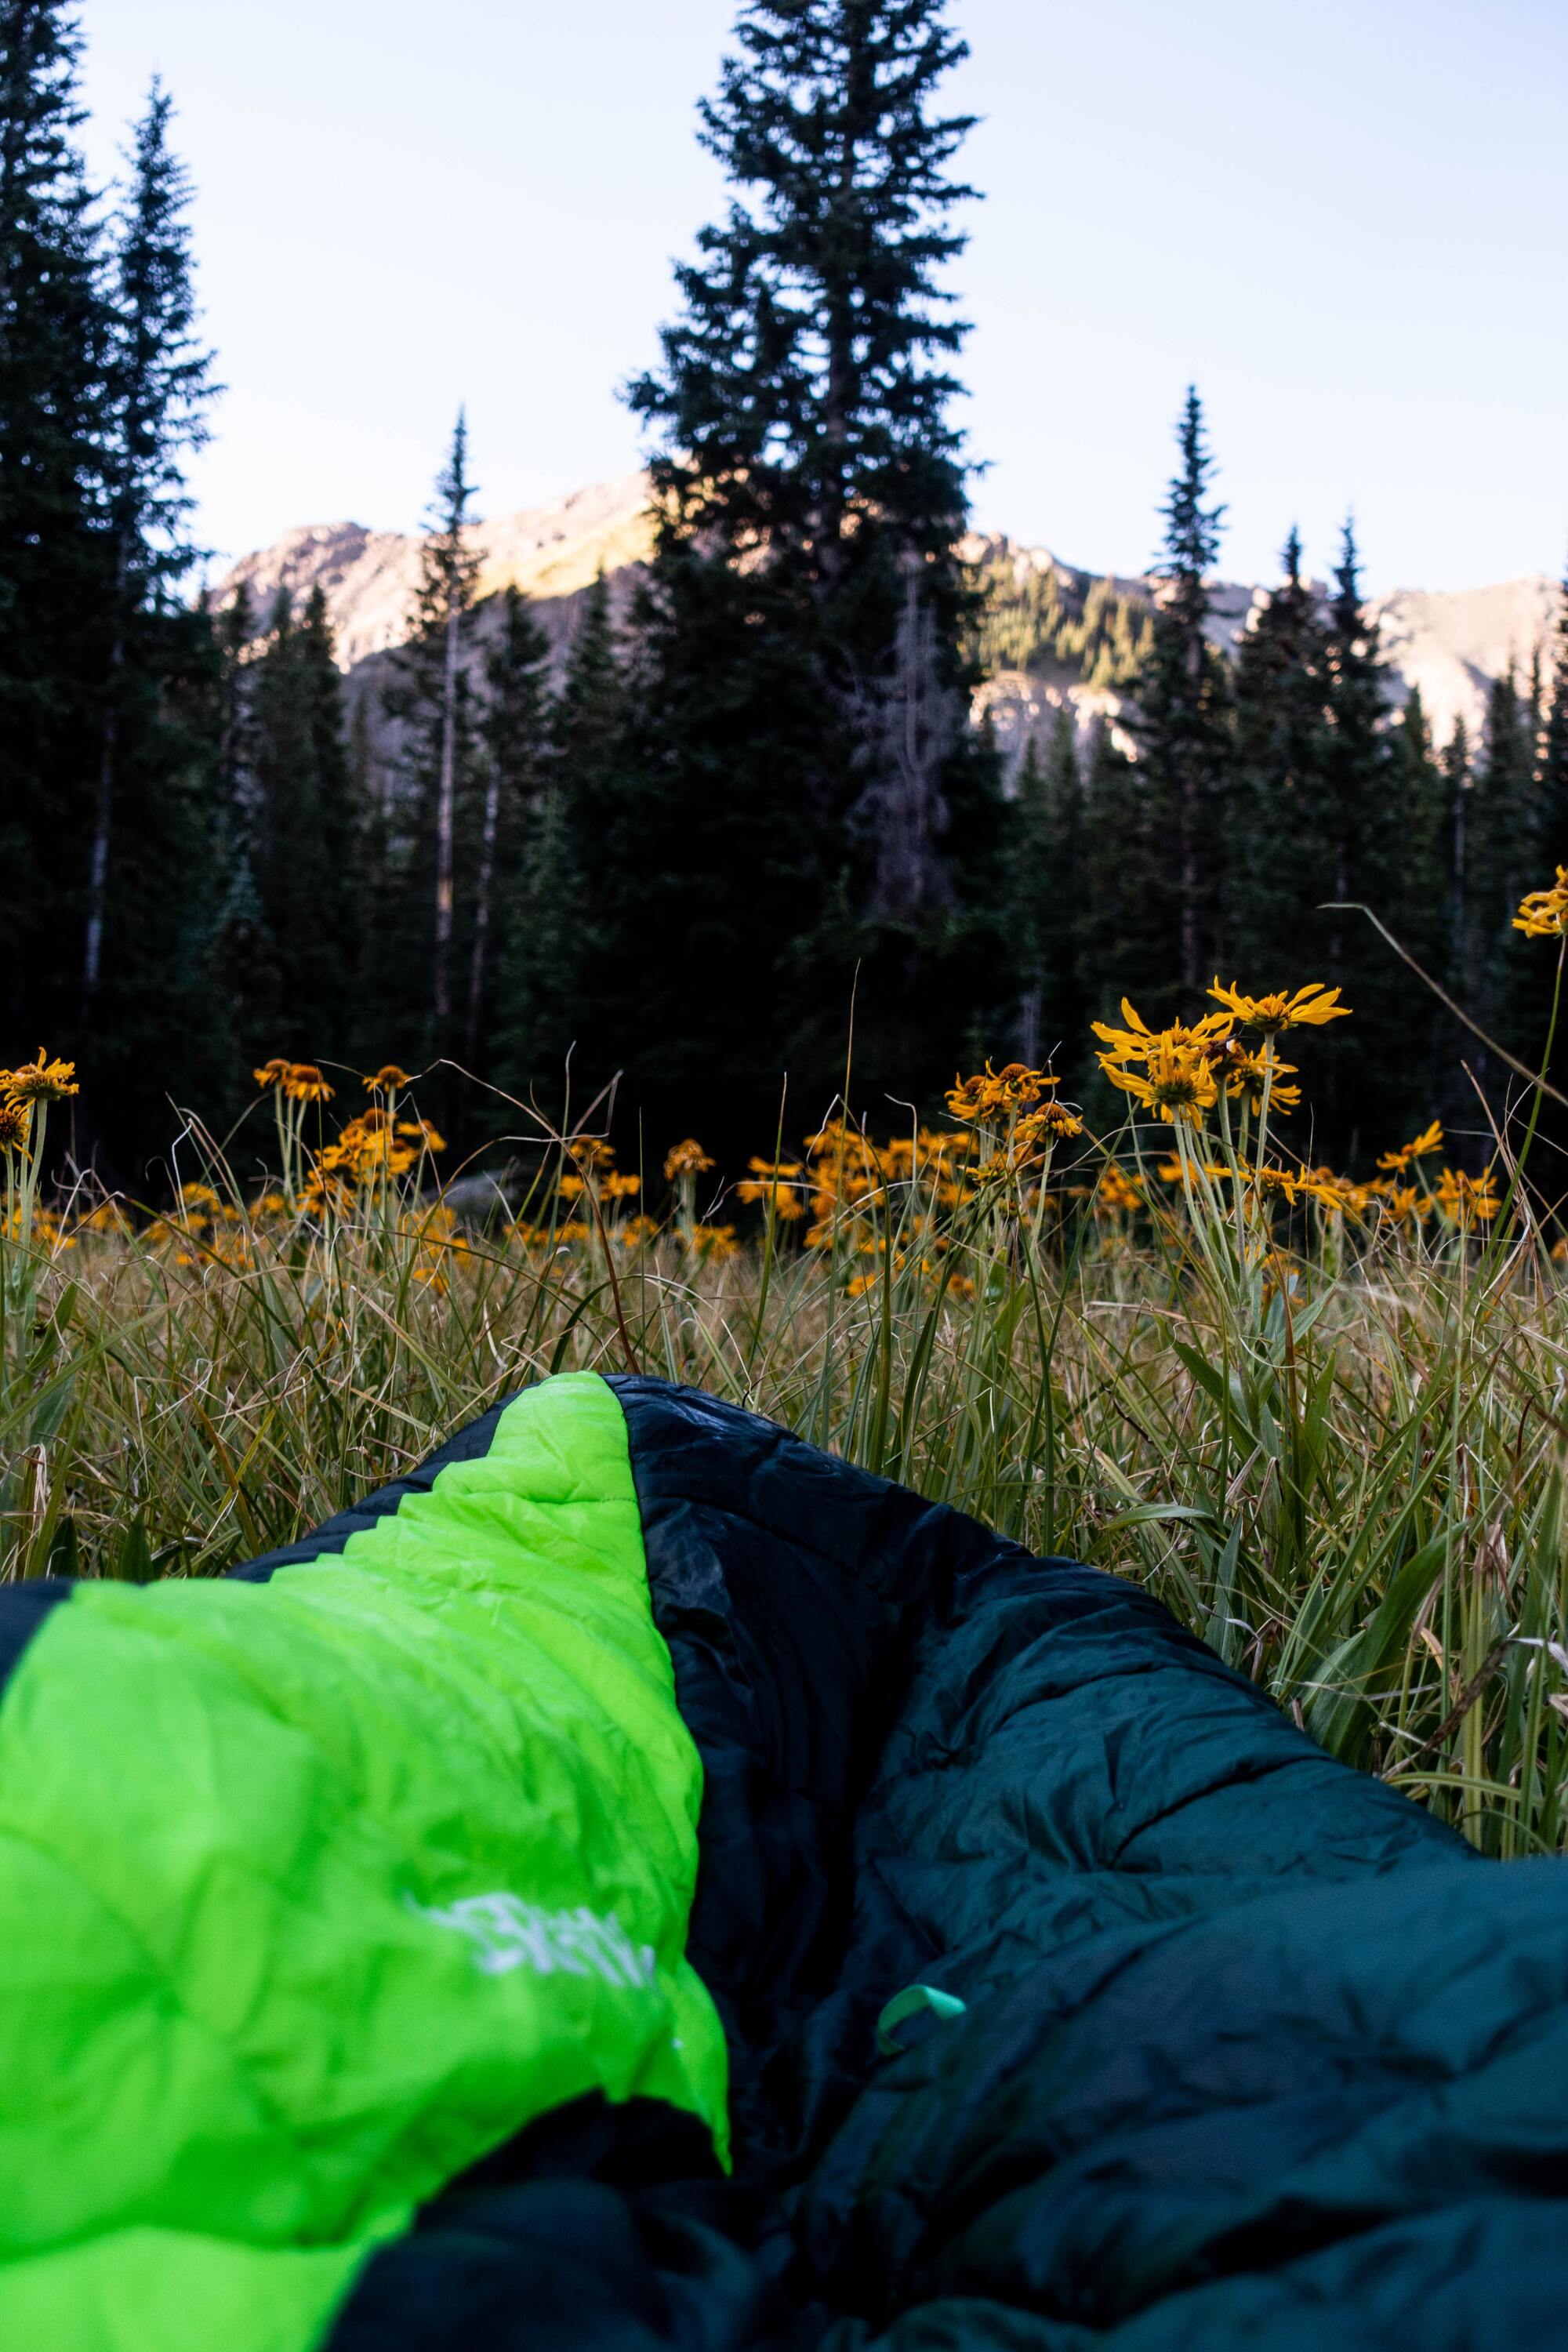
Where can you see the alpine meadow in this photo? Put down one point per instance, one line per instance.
(1075, 1045)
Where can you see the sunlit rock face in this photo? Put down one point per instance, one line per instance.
(1451, 644)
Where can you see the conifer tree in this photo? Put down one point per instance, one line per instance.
(1354, 843)
(1185, 724)
(159, 386)
(1505, 828)
(305, 853)
(1552, 782)
(561, 973)
(246, 957)
(809, 488)
(1048, 912)
(1422, 872)
(1280, 747)
(512, 732)
(53, 576)
(1125, 868)
(1534, 976)
(150, 938)
(432, 699)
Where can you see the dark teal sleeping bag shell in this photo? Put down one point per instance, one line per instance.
(639, 1881)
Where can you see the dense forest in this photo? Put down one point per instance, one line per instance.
(750, 832)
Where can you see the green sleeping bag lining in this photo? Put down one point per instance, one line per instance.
(314, 1892)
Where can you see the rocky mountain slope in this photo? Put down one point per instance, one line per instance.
(1449, 644)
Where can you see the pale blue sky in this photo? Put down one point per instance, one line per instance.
(1347, 220)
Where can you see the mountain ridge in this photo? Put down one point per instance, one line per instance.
(1451, 643)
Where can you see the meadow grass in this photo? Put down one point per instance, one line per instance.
(1325, 1421)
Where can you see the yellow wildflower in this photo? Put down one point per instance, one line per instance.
(714, 1243)
(1336, 1193)
(1468, 1200)
(1309, 1008)
(1013, 1088)
(272, 1073)
(1117, 1193)
(1246, 1070)
(1135, 1042)
(775, 1186)
(39, 1081)
(304, 1083)
(1430, 1139)
(616, 1187)
(1176, 1081)
(1403, 1203)
(1543, 914)
(1052, 1123)
(388, 1081)
(687, 1158)
(15, 1119)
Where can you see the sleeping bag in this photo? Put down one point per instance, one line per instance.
(639, 1881)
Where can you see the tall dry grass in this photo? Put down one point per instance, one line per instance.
(1326, 1422)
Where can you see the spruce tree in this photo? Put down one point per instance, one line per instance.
(1048, 895)
(805, 595)
(1353, 848)
(1503, 859)
(565, 915)
(1126, 868)
(54, 577)
(304, 856)
(1280, 747)
(1184, 695)
(1534, 975)
(159, 386)
(1459, 963)
(246, 955)
(1422, 869)
(434, 826)
(149, 939)
(512, 733)
(1552, 779)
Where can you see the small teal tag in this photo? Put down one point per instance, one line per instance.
(909, 2004)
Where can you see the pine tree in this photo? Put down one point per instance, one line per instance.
(54, 578)
(1354, 843)
(563, 976)
(1126, 865)
(159, 386)
(1281, 748)
(1552, 779)
(1503, 859)
(150, 937)
(512, 731)
(1420, 903)
(1459, 963)
(244, 953)
(1534, 975)
(809, 804)
(1185, 724)
(436, 821)
(1047, 915)
(302, 856)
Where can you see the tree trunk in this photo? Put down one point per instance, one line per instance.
(444, 808)
(483, 908)
(98, 862)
